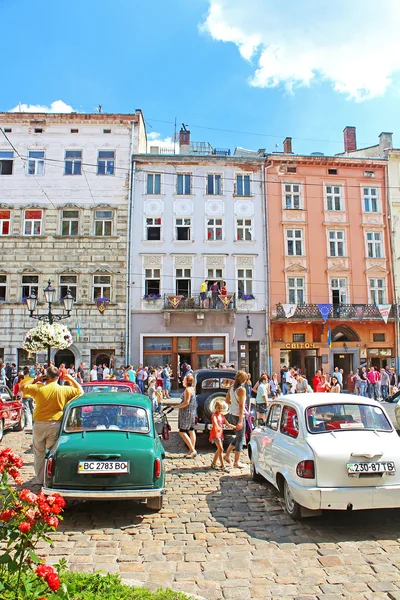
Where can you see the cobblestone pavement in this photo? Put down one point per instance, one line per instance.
(224, 536)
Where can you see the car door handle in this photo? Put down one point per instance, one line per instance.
(104, 456)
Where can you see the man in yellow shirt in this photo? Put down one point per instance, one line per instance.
(50, 399)
(203, 294)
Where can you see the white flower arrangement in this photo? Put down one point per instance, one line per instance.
(45, 335)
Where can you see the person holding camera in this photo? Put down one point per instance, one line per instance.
(50, 399)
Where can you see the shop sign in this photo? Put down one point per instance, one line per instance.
(299, 345)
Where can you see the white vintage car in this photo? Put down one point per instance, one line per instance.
(328, 451)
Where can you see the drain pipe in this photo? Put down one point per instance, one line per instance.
(264, 168)
(392, 239)
(131, 199)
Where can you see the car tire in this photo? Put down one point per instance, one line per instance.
(156, 503)
(209, 403)
(1, 429)
(20, 426)
(292, 507)
(253, 472)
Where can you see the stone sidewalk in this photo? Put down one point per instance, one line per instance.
(223, 536)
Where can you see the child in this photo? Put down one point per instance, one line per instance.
(217, 434)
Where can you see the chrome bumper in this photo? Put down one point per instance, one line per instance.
(106, 494)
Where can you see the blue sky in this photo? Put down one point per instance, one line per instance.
(214, 65)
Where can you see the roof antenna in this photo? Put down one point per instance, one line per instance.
(99, 109)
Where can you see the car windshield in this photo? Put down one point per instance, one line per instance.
(106, 388)
(346, 417)
(107, 417)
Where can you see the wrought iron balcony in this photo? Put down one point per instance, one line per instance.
(178, 303)
(345, 312)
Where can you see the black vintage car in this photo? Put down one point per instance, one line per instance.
(212, 385)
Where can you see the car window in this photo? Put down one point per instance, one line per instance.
(107, 417)
(106, 388)
(226, 383)
(5, 394)
(345, 417)
(290, 422)
(273, 416)
(210, 384)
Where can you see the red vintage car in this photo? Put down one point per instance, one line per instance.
(111, 385)
(12, 414)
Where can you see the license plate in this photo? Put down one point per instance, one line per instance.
(102, 466)
(371, 467)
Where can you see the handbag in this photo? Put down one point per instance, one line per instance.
(165, 432)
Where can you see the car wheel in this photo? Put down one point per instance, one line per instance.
(253, 471)
(20, 426)
(1, 429)
(155, 503)
(292, 508)
(209, 403)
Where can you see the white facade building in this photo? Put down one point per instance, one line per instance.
(64, 189)
(198, 215)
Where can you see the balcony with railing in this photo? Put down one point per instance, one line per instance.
(344, 312)
(177, 303)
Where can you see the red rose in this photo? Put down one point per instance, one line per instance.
(24, 527)
(42, 570)
(28, 496)
(52, 521)
(7, 515)
(53, 581)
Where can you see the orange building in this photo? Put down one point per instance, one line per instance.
(330, 272)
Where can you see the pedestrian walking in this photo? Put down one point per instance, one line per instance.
(93, 373)
(50, 399)
(335, 385)
(218, 421)
(262, 397)
(236, 398)
(384, 384)
(187, 416)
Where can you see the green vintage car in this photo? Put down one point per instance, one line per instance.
(108, 449)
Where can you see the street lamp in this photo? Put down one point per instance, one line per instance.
(249, 329)
(49, 317)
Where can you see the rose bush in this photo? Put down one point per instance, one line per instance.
(45, 335)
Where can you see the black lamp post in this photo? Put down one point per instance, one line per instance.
(49, 294)
(249, 329)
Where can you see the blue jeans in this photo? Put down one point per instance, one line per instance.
(363, 388)
(140, 383)
(284, 388)
(372, 391)
(384, 391)
(238, 440)
(167, 385)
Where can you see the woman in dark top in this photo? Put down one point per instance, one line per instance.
(214, 294)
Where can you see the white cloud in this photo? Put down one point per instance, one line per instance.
(353, 44)
(167, 143)
(55, 107)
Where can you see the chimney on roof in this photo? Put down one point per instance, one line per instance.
(350, 142)
(287, 145)
(385, 143)
(184, 140)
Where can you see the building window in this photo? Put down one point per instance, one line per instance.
(370, 196)
(106, 162)
(332, 171)
(69, 222)
(378, 337)
(3, 288)
(6, 162)
(244, 230)
(374, 244)
(5, 218)
(339, 291)
(296, 290)
(183, 282)
(152, 282)
(369, 173)
(153, 183)
(291, 169)
(292, 196)
(35, 162)
(183, 184)
(245, 282)
(183, 226)
(214, 187)
(73, 162)
(243, 185)
(103, 222)
(68, 281)
(294, 242)
(377, 291)
(333, 197)
(215, 275)
(214, 230)
(30, 284)
(153, 228)
(102, 286)
(336, 243)
(33, 222)
(299, 337)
